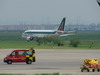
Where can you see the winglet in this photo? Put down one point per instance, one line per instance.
(61, 27)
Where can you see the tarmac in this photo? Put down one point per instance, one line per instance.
(63, 61)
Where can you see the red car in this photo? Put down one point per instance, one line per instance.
(22, 55)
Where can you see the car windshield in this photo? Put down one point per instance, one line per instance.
(29, 52)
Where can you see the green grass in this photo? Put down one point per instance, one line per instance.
(14, 40)
(11, 74)
(48, 74)
(27, 45)
(11, 36)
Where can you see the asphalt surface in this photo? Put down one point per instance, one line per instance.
(51, 61)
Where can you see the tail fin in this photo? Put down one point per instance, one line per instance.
(61, 27)
(98, 1)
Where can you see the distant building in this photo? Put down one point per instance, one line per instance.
(48, 27)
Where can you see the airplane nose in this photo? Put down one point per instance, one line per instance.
(24, 35)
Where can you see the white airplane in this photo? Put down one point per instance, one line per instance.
(32, 34)
(98, 1)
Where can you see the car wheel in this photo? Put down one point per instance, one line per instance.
(98, 70)
(85, 69)
(93, 70)
(34, 59)
(9, 62)
(29, 62)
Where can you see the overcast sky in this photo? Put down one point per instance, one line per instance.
(49, 11)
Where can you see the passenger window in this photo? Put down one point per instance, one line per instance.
(13, 54)
(21, 53)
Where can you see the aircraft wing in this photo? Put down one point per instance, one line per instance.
(71, 31)
(66, 35)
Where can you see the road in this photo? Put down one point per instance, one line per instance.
(51, 61)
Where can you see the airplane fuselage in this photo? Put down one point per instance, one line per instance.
(42, 33)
